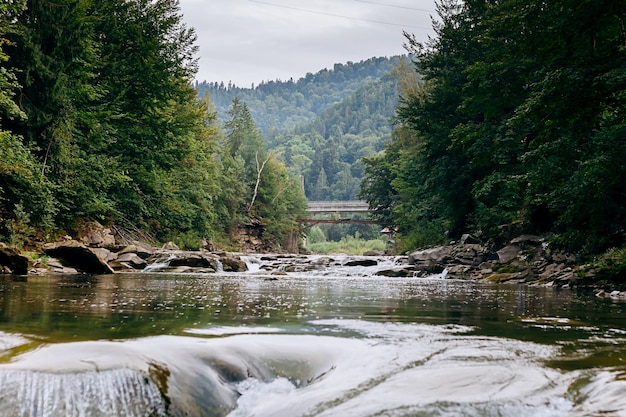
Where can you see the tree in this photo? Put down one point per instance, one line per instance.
(519, 114)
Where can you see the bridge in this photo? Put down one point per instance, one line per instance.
(353, 206)
(339, 207)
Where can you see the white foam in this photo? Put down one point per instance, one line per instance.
(255, 393)
(232, 330)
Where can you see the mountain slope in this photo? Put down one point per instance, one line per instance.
(323, 124)
(279, 106)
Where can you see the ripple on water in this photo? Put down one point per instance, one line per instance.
(348, 368)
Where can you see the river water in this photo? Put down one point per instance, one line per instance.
(339, 341)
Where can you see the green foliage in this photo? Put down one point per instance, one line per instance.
(518, 119)
(278, 107)
(610, 265)
(348, 245)
(26, 199)
(322, 125)
(315, 235)
(189, 240)
(107, 126)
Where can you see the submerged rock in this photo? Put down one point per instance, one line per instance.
(362, 262)
(397, 272)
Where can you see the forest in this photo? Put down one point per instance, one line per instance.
(322, 125)
(100, 121)
(517, 126)
(510, 120)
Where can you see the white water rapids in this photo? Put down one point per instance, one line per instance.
(385, 369)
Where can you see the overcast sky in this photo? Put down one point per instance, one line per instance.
(249, 41)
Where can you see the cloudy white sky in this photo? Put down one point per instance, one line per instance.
(248, 41)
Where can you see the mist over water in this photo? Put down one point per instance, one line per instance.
(338, 341)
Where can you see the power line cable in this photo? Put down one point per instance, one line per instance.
(337, 15)
(396, 6)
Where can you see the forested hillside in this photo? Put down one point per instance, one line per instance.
(322, 125)
(328, 151)
(279, 106)
(99, 121)
(519, 125)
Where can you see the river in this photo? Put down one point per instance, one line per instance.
(337, 341)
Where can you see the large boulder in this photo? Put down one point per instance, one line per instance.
(507, 253)
(437, 255)
(133, 260)
(193, 259)
(397, 272)
(76, 255)
(233, 264)
(138, 248)
(12, 261)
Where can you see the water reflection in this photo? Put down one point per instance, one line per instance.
(124, 306)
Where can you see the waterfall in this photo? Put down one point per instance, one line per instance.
(118, 392)
(253, 263)
(158, 265)
(219, 266)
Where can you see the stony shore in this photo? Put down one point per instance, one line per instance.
(523, 259)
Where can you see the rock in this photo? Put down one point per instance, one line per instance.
(76, 255)
(362, 262)
(507, 253)
(323, 261)
(502, 277)
(397, 272)
(485, 265)
(468, 239)
(459, 271)
(438, 254)
(170, 246)
(232, 264)
(104, 254)
(529, 239)
(143, 251)
(133, 260)
(13, 261)
(96, 235)
(550, 270)
(193, 260)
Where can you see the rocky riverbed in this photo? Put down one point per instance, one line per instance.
(523, 259)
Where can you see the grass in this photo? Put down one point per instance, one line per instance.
(349, 246)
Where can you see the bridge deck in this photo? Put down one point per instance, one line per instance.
(354, 206)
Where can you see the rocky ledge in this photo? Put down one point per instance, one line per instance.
(526, 258)
(100, 251)
(72, 256)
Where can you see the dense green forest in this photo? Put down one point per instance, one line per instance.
(279, 106)
(100, 121)
(323, 124)
(519, 124)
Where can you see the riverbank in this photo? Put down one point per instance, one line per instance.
(523, 259)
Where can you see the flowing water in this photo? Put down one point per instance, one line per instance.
(339, 341)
